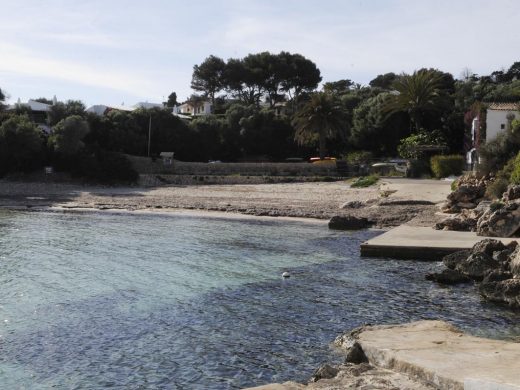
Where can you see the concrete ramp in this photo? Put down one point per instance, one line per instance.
(421, 243)
(437, 353)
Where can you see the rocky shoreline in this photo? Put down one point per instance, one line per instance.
(421, 355)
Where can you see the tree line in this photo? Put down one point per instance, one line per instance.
(342, 118)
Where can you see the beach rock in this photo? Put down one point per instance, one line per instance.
(514, 263)
(448, 276)
(477, 265)
(355, 354)
(501, 222)
(505, 291)
(326, 371)
(512, 193)
(468, 194)
(348, 223)
(495, 265)
(354, 351)
(353, 204)
(488, 246)
(466, 220)
(453, 259)
(456, 224)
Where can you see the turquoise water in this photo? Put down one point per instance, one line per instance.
(139, 301)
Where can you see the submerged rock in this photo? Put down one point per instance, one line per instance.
(348, 223)
(453, 259)
(477, 265)
(448, 276)
(505, 291)
(495, 265)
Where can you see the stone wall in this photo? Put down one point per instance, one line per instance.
(145, 165)
(157, 179)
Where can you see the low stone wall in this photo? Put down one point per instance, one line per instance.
(145, 165)
(158, 179)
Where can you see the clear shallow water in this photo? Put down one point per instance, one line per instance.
(127, 301)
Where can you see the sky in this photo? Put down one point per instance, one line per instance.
(124, 52)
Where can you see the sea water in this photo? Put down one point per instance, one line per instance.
(98, 300)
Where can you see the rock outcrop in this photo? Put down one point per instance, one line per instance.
(469, 193)
(466, 220)
(495, 265)
(512, 193)
(500, 220)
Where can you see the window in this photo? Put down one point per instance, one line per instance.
(502, 126)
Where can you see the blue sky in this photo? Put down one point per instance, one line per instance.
(115, 51)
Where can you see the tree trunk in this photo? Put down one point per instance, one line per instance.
(323, 145)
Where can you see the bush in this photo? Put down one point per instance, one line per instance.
(359, 157)
(21, 145)
(413, 147)
(443, 166)
(113, 168)
(99, 166)
(365, 181)
(502, 179)
(514, 167)
(418, 168)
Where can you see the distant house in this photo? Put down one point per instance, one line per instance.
(194, 108)
(499, 117)
(38, 112)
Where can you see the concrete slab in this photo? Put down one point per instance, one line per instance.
(437, 353)
(421, 243)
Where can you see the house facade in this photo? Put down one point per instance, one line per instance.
(499, 117)
(194, 108)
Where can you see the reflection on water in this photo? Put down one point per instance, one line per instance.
(125, 301)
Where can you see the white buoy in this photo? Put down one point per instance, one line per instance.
(286, 274)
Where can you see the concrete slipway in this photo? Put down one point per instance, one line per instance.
(434, 354)
(422, 243)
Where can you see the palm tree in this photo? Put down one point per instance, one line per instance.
(322, 117)
(417, 94)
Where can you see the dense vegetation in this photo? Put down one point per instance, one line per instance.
(393, 115)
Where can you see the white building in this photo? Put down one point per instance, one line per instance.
(194, 108)
(499, 117)
(38, 112)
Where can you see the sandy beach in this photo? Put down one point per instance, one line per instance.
(390, 202)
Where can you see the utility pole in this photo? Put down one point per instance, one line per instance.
(149, 134)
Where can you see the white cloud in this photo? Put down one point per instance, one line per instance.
(22, 61)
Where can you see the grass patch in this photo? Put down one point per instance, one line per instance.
(365, 181)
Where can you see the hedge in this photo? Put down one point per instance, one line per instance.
(443, 166)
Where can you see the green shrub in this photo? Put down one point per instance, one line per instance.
(413, 147)
(111, 168)
(514, 166)
(444, 166)
(365, 181)
(418, 168)
(454, 185)
(502, 179)
(359, 157)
